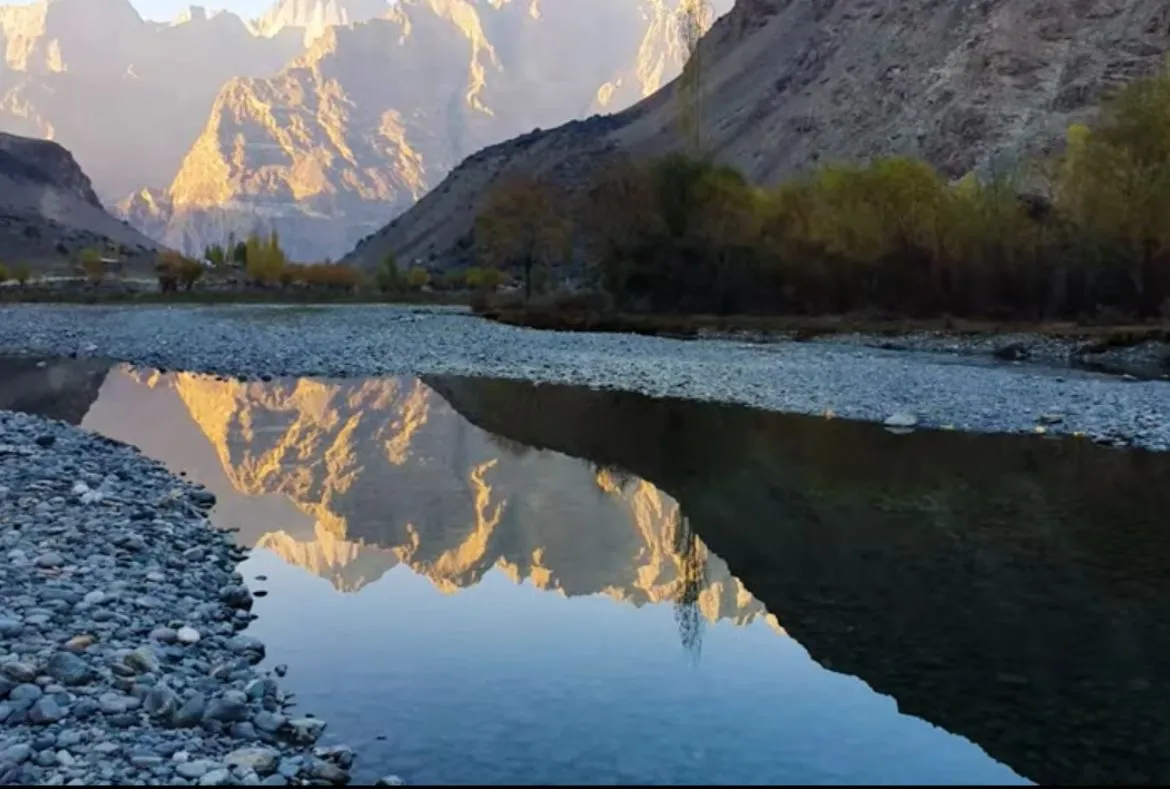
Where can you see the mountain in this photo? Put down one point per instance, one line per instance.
(314, 17)
(49, 210)
(789, 83)
(352, 479)
(127, 96)
(374, 114)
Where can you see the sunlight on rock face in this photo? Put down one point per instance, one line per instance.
(387, 473)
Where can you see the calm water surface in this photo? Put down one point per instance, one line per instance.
(492, 582)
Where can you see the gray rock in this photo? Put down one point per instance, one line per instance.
(389, 780)
(269, 721)
(191, 713)
(27, 692)
(326, 771)
(229, 707)
(304, 730)
(68, 669)
(50, 559)
(143, 660)
(217, 777)
(15, 755)
(161, 702)
(187, 635)
(262, 761)
(194, 769)
(44, 711)
(19, 672)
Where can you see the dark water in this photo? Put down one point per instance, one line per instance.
(492, 582)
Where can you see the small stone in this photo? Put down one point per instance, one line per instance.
(236, 596)
(113, 703)
(217, 777)
(15, 754)
(164, 635)
(96, 597)
(901, 419)
(262, 761)
(146, 761)
(341, 755)
(327, 771)
(79, 643)
(191, 713)
(45, 440)
(1050, 419)
(231, 706)
(194, 769)
(188, 635)
(25, 692)
(69, 669)
(45, 711)
(155, 576)
(161, 702)
(304, 730)
(270, 722)
(143, 660)
(19, 672)
(65, 759)
(389, 780)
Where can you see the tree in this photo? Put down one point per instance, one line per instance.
(523, 224)
(484, 280)
(22, 274)
(5, 275)
(266, 261)
(92, 265)
(189, 272)
(417, 278)
(389, 278)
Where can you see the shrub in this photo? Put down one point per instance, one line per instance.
(417, 278)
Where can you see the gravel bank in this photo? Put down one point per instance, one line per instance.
(121, 660)
(935, 389)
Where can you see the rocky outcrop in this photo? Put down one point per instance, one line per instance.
(314, 17)
(790, 83)
(374, 114)
(49, 211)
(127, 96)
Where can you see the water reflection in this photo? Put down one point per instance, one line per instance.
(1011, 590)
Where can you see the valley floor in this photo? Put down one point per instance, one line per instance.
(941, 382)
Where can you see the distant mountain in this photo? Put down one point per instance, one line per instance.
(314, 17)
(49, 211)
(374, 114)
(127, 96)
(790, 83)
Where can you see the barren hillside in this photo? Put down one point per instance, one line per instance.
(49, 211)
(789, 83)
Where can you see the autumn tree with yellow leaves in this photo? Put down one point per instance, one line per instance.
(523, 225)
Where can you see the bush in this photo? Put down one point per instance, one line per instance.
(389, 278)
(683, 234)
(92, 265)
(22, 273)
(5, 274)
(417, 278)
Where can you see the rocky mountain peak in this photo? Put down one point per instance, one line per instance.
(314, 17)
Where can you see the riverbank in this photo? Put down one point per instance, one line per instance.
(938, 390)
(1140, 350)
(122, 659)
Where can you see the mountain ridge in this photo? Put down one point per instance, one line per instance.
(789, 84)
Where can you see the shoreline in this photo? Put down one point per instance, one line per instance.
(1114, 349)
(125, 656)
(850, 381)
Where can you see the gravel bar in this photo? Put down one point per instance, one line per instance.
(121, 660)
(926, 389)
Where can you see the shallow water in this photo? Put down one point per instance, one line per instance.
(493, 582)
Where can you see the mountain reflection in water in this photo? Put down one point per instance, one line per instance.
(1012, 590)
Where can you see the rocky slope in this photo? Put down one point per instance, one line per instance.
(314, 17)
(126, 95)
(788, 83)
(382, 473)
(49, 211)
(374, 114)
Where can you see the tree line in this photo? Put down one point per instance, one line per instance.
(684, 234)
